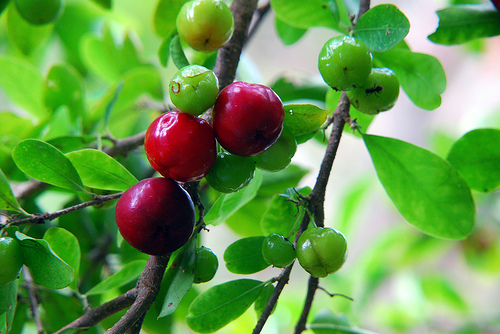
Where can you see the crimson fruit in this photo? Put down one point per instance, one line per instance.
(11, 259)
(278, 251)
(496, 3)
(39, 12)
(378, 93)
(180, 146)
(230, 172)
(321, 251)
(156, 216)
(344, 62)
(247, 118)
(205, 25)
(205, 265)
(279, 155)
(193, 89)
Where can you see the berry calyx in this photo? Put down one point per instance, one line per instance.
(156, 216)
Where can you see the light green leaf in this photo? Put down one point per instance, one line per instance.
(8, 303)
(103, 3)
(99, 170)
(421, 75)
(44, 162)
(166, 15)
(427, 191)
(177, 53)
(477, 157)
(227, 204)
(46, 267)
(296, 89)
(128, 273)
(460, 24)
(287, 33)
(304, 118)
(275, 183)
(263, 299)
(221, 304)
(382, 27)
(164, 49)
(23, 83)
(7, 199)
(244, 256)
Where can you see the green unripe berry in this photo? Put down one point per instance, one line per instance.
(279, 155)
(205, 265)
(344, 62)
(194, 89)
(378, 93)
(11, 259)
(39, 12)
(321, 251)
(230, 172)
(278, 251)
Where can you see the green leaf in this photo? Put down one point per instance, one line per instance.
(103, 3)
(296, 89)
(164, 49)
(287, 33)
(106, 58)
(44, 162)
(64, 87)
(221, 304)
(46, 267)
(304, 118)
(165, 16)
(307, 14)
(477, 157)
(382, 27)
(8, 303)
(7, 199)
(178, 280)
(421, 75)
(261, 302)
(275, 183)
(227, 204)
(244, 256)
(427, 191)
(23, 83)
(177, 53)
(460, 24)
(99, 170)
(246, 221)
(67, 144)
(27, 37)
(128, 273)
(65, 245)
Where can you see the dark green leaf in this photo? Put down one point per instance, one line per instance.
(221, 304)
(290, 90)
(8, 302)
(304, 118)
(426, 190)
(99, 170)
(460, 24)
(178, 280)
(477, 157)
(382, 27)
(244, 256)
(227, 204)
(287, 33)
(246, 221)
(130, 272)
(166, 15)
(177, 53)
(44, 162)
(307, 14)
(67, 144)
(275, 183)
(164, 49)
(7, 199)
(46, 267)
(103, 3)
(65, 245)
(421, 75)
(263, 299)
(23, 83)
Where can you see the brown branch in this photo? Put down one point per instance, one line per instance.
(259, 15)
(28, 279)
(364, 6)
(311, 290)
(125, 145)
(148, 286)
(95, 315)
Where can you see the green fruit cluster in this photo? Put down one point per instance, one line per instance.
(345, 63)
(11, 260)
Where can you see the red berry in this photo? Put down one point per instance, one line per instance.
(156, 216)
(247, 118)
(180, 146)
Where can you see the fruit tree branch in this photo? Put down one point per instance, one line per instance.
(364, 6)
(311, 290)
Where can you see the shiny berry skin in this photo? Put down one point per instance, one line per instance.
(230, 172)
(344, 62)
(39, 12)
(180, 146)
(11, 259)
(205, 265)
(279, 155)
(205, 25)
(278, 251)
(321, 251)
(193, 89)
(247, 118)
(156, 216)
(378, 93)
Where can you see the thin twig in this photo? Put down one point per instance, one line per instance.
(28, 279)
(259, 15)
(311, 290)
